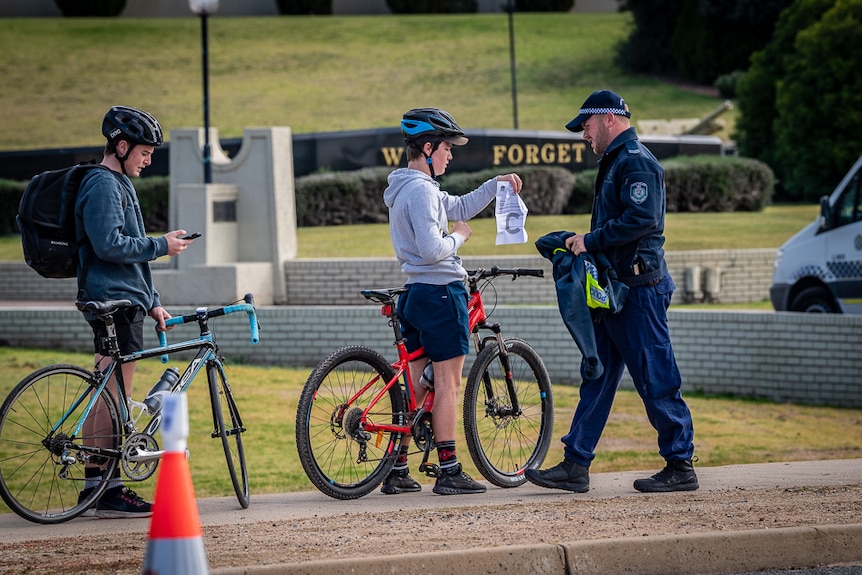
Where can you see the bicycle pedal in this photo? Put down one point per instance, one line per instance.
(430, 469)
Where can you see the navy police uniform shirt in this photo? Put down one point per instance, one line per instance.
(627, 221)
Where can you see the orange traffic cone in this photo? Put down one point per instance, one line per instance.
(175, 543)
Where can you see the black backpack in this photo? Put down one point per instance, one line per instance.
(46, 218)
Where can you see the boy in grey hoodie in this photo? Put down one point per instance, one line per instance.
(433, 313)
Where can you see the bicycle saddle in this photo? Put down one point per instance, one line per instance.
(102, 307)
(386, 295)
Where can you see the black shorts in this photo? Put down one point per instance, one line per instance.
(130, 331)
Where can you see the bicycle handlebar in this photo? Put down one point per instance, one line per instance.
(480, 273)
(204, 313)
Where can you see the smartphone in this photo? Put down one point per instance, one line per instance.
(190, 236)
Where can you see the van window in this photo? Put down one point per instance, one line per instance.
(848, 208)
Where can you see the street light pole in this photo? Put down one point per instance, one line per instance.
(204, 8)
(510, 7)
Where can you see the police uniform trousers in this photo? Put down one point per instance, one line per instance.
(638, 338)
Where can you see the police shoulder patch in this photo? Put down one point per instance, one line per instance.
(639, 192)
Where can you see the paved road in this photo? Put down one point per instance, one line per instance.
(279, 507)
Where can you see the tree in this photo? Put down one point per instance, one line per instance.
(818, 104)
(792, 99)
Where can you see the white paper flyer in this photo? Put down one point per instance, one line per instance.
(511, 215)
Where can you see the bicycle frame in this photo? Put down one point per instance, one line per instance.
(206, 352)
(477, 321)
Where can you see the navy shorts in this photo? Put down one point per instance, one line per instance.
(130, 331)
(435, 317)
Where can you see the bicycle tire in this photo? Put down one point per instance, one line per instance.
(34, 481)
(504, 444)
(329, 453)
(223, 402)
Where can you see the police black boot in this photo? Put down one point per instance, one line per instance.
(677, 475)
(566, 475)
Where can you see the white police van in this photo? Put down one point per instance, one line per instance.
(820, 268)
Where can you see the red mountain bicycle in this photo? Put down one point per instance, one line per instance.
(356, 406)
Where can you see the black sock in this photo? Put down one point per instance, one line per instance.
(400, 467)
(448, 457)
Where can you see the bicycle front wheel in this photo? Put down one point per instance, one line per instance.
(44, 444)
(339, 458)
(228, 427)
(508, 429)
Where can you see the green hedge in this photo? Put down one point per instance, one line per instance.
(717, 184)
(694, 184)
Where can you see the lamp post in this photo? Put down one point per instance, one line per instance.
(510, 8)
(204, 8)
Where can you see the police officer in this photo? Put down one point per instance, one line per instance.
(627, 225)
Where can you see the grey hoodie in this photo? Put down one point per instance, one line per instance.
(419, 215)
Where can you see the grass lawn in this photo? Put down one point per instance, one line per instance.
(727, 431)
(690, 231)
(316, 74)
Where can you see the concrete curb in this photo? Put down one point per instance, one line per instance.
(699, 553)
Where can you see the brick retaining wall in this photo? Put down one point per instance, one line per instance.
(786, 357)
(745, 276)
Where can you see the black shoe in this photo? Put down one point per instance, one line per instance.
(457, 482)
(677, 475)
(122, 502)
(91, 512)
(566, 475)
(399, 482)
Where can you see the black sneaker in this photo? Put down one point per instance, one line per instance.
(677, 475)
(566, 475)
(456, 482)
(120, 502)
(91, 512)
(399, 482)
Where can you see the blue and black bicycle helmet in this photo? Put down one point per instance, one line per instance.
(434, 125)
(431, 125)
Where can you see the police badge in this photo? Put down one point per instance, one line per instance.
(639, 192)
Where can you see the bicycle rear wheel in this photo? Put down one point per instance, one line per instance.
(230, 430)
(41, 456)
(504, 440)
(337, 458)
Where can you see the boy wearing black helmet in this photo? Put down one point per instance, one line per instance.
(115, 253)
(433, 312)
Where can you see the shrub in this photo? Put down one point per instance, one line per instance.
(153, 195)
(340, 198)
(88, 8)
(717, 184)
(726, 84)
(583, 190)
(544, 5)
(10, 198)
(546, 189)
(302, 7)
(432, 6)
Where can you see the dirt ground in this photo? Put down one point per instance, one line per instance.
(369, 534)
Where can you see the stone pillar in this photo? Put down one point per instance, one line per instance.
(247, 218)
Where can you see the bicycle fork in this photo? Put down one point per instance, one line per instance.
(493, 407)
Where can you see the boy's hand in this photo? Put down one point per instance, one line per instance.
(462, 229)
(513, 179)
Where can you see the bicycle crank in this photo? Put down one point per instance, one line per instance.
(140, 456)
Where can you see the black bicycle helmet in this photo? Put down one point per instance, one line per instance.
(431, 124)
(136, 126)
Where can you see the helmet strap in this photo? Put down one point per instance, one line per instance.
(122, 159)
(434, 146)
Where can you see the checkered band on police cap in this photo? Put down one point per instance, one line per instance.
(600, 102)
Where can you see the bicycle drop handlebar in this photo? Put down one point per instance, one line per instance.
(203, 313)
